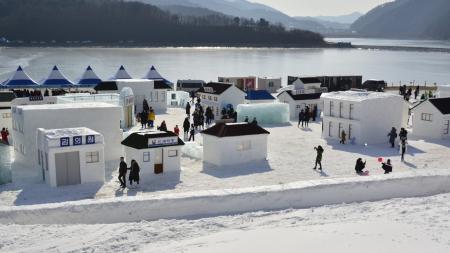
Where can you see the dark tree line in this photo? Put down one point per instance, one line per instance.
(106, 22)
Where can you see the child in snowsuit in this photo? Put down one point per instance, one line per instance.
(343, 137)
(192, 133)
(360, 165)
(387, 167)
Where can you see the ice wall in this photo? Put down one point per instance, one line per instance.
(265, 113)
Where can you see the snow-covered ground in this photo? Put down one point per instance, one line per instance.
(396, 225)
(290, 159)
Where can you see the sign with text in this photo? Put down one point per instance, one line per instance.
(162, 142)
(90, 139)
(64, 142)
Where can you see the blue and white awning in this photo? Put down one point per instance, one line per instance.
(89, 78)
(121, 74)
(19, 80)
(153, 74)
(56, 80)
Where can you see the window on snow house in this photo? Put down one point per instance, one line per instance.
(244, 145)
(92, 157)
(427, 117)
(173, 153)
(146, 157)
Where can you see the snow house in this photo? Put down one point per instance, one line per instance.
(431, 118)
(101, 117)
(156, 152)
(71, 156)
(366, 117)
(227, 144)
(220, 95)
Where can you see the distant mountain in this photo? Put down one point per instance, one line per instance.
(239, 8)
(343, 19)
(417, 19)
(115, 22)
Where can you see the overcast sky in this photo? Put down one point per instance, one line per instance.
(321, 7)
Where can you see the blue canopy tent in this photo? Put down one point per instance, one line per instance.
(56, 80)
(153, 74)
(20, 80)
(88, 80)
(122, 73)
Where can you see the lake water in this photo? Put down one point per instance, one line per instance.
(208, 63)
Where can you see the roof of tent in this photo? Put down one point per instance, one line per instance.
(122, 73)
(153, 74)
(19, 79)
(56, 79)
(89, 78)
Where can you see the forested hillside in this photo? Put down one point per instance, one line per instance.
(109, 22)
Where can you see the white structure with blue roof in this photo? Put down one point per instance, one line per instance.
(19, 80)
(89, 78)
(56, 79)
(258, 96)
(122, 73)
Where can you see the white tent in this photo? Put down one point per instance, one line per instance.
(20, 79)
(89, 78)
(121, 74)
(56, 79)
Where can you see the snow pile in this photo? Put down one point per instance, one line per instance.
(265, 113)
(192, 150)
(357, 95)
(220, 202)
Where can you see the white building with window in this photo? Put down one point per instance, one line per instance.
(220, 95)
(366, 117)
(154, 91)
(228, 144)
(431, 118)
(156, 152)
(269, 84)
(100, 117)
(298, 100)
(71, 156)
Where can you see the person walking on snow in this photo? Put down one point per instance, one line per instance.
(343, 137)
(319, 151)
(176, 130)
(134, 172)
(307, 116)
(186, 125)
(301, 117)
(403, 144)
(392, 136)
(123, 173)
(5, 134)
(192, 133)
(188, 109)
(151, 118)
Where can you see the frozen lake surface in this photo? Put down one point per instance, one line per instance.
(209, 63)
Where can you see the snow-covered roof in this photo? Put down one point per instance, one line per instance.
(357, 95)
(20, 79)
(56, 79)
(68, 132)
(122, 73)
(153, 74)
(148, 139)
(89, 78)
(66, 106)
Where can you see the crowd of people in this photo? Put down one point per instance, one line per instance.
(407, 92)
(20, 93)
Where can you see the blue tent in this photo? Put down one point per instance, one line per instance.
(153, 74)
(121, 74)
(88, 79)
(20, 80)
(56, 80)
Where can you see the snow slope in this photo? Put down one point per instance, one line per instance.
(397, 225)
(231, 201)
